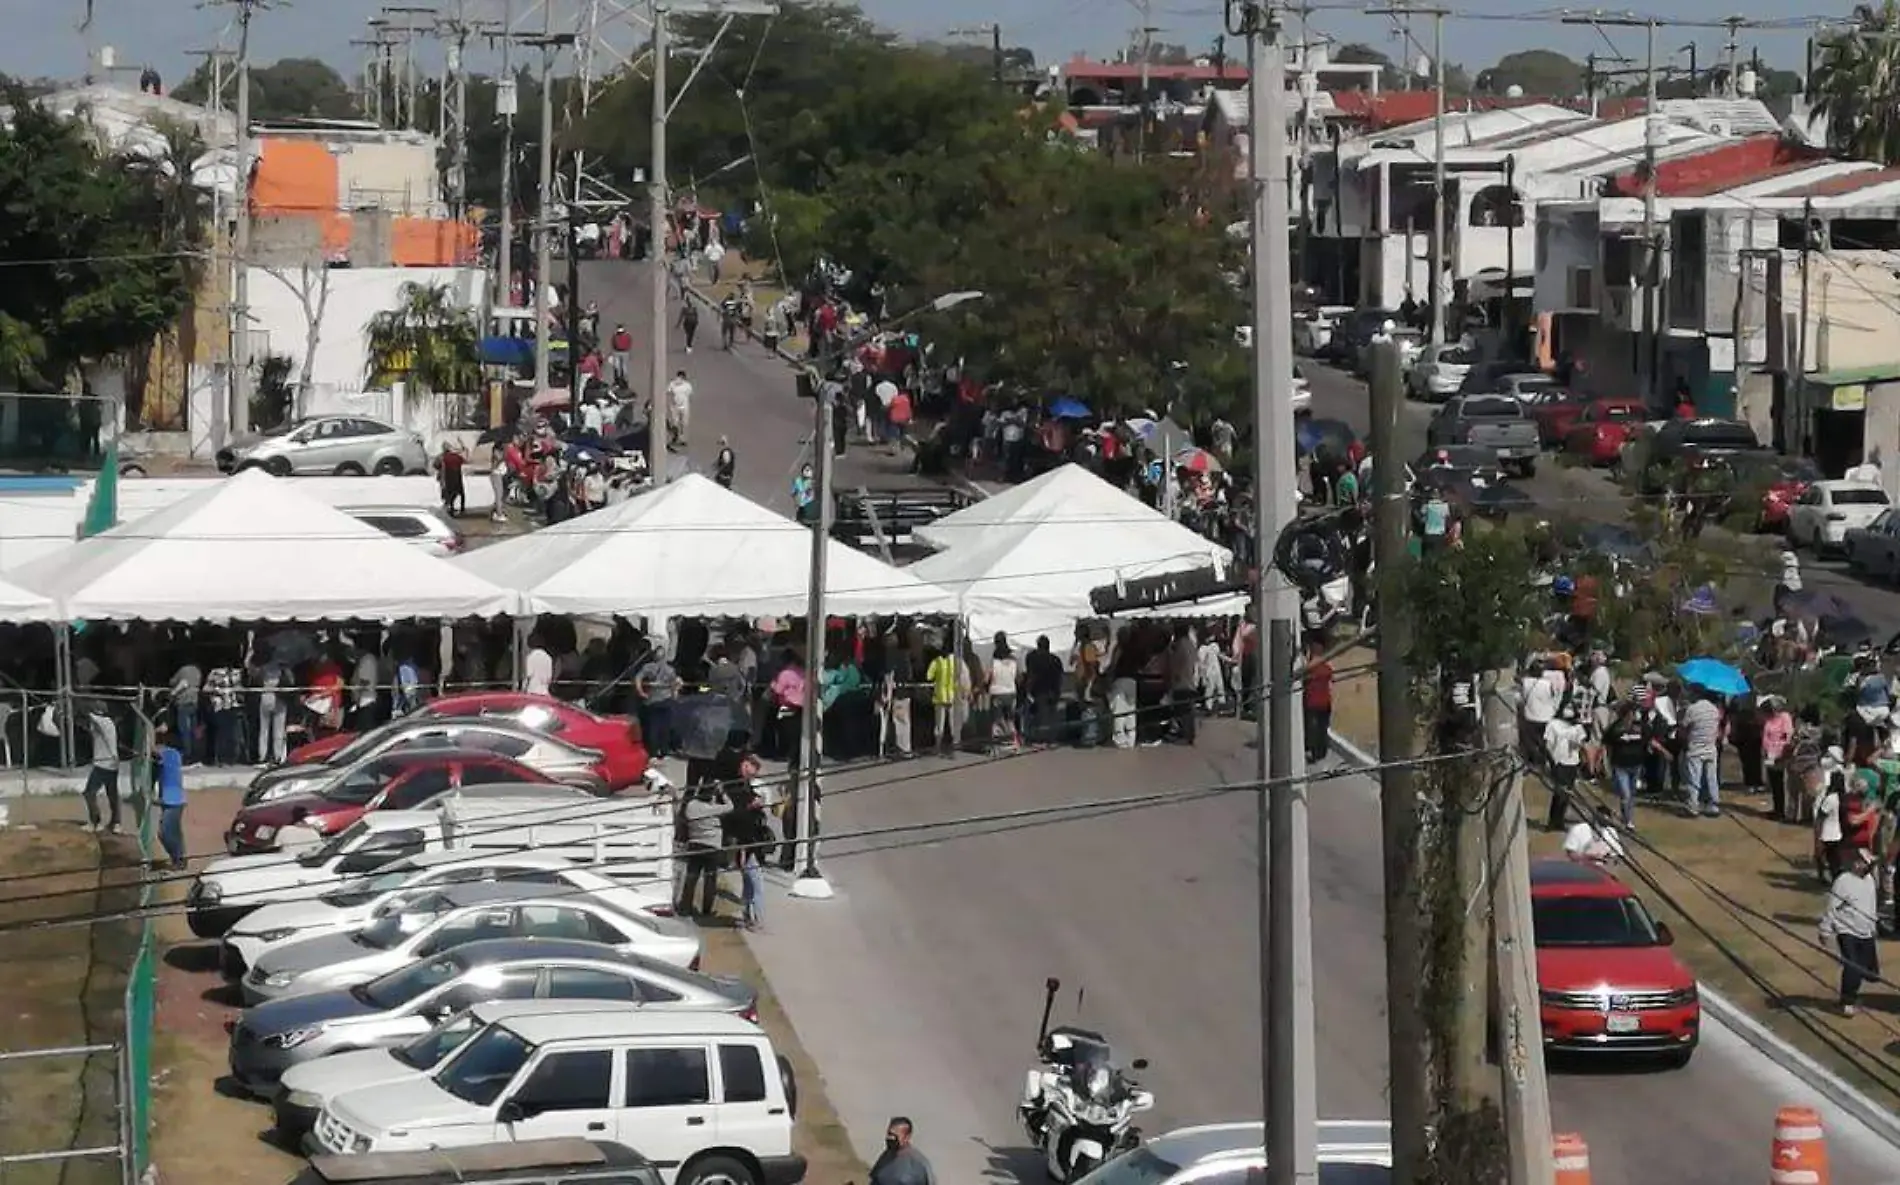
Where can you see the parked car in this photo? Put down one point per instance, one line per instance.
(1602, 428)
(306, 1087)
(405, 780)
(1475, 460)
(541, 1076)
(1780, 480)
(1657, 453)
(1523, 384)
(268, 1039)
(1351, 1152)
(425, 530)
(623, 755)
(348, 446)
(1824, 514)
(1488, 421)
(1313, 327)
(1875, 548)
(558, 759)
(1484, 378)
(1439, 371)
(1607, 980)
(353, 905)
(1409, 342)
(531, 1162)
(1351, 334)
(1554, 409)
(446, 917)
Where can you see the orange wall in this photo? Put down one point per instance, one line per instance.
(299, 178)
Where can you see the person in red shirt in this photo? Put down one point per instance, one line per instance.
(899, 416)
(1317, 698)
(448, 468)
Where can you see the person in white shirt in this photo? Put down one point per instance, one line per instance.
(537, 669)
(1537, 700)
(1849, 925)
(1829, 850)
(679, 408)
(715, 254)
(594, 417)
(1592, 841)
(1563, 742)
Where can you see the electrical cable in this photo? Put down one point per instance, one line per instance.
(1159, 798)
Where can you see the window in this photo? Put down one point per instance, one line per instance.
(585, 983)
(481, 773)
(515, 985)
(577, 1081)
(1252, 1174)
(495, 742)
(557, 921)
(1860, 497)
(741, 1074)
(417, 790)
(653, 993)
(1592, 921)
(483, 1068)
(470, 927)
(667, 1078)
(394, 526)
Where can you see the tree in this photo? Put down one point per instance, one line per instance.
(1543, 73)
(1854, 72)
(1355, 53)
(292, 88)
(310, 285)
(103, 252)
(426, 340)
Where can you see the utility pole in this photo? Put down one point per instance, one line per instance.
(656, 267)
(1519, 1035)
(367, 98)
(458, 29)
(1144, 41)
(1732, 84)
(1797, 441)
(1289, 1082)
(1406, 1034)
(994, 32)
(237, 420)
(1405, 11)
(507, 102)
(1308, 82)
(544, 220)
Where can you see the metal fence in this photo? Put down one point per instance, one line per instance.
(87, 1141)
(141, 981)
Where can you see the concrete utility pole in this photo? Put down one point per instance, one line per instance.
(1289, 1076)
(1406, 1033)
(1404, 12)
(544, 220)
(237, 421)
(409, 33)
(994, 32)
(507, 102)
(1144, 45)
(661, 319)
(456, 31)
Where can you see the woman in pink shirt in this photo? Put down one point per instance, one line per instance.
(1777, 736)
(788, 696)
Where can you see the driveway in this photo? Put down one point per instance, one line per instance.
(918, 987)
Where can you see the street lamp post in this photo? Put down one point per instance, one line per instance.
(810, 882)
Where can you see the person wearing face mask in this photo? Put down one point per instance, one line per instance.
(805, 495)
(901, 1163)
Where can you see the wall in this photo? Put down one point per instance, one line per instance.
(1563, 237)
(355, 296)
(1854, 307)
(399, 176)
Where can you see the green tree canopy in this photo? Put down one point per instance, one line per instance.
(102, 250)
(1854, 77)
(1541, 72)
(293, 88)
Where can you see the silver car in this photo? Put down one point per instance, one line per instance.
(405, 1003)
(346, 446)
(422, 927)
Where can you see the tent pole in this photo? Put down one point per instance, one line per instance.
(515, 626)
(63, 653)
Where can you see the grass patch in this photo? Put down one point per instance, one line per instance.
(64, 987)
(767, 290)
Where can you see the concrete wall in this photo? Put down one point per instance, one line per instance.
(354, 296)
(397, 175)
(1853, 311)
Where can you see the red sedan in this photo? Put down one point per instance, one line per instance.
(394, 781)
(616, 738)
(1555, 410)
(1781, 480)
(1602, 427)
(1607, 980)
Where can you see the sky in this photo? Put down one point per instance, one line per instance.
(43, 37)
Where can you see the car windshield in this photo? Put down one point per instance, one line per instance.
(1492, 409)
(320, 855)
(1458, 357)
(358, 748)
(1592, 921)
(405, 984)
(363, 783)
(1138, 1166)
(1732, 436)
(396, 926)
(1860, 497)
(364, 892)
(427, 1051)
(484, 1067)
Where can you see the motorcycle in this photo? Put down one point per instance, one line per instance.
(1078, 1107)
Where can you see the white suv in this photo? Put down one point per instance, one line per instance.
(702, 1095)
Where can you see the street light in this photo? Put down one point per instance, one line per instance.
(810, 882)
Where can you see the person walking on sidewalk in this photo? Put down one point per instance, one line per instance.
(168, 777)
(689, 322)
(901, 1163)
(1848, 925)
(622, 345)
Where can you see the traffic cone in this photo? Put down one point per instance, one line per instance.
(1570, 1157)
(1800, 1152)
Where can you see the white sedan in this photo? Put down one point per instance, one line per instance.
(1830, 509)
(1439, 372)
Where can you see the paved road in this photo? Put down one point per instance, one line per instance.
(918, 987)
(745, 394)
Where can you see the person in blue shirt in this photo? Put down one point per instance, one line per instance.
(168, 778)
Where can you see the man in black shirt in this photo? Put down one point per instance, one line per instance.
(902, 673)
(1042, 672)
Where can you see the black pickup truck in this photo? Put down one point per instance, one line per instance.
(861, 516)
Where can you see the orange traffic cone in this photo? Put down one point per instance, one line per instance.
(1800, 1152)
(1570, 1156)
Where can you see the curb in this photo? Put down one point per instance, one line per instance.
(1831, 1086)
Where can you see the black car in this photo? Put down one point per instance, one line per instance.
(1355, 330)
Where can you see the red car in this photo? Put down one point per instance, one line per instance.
(616, 738)
(1782, 481)
(394, 781)
(1555, 410)
(1607, 980)
(1602, 427)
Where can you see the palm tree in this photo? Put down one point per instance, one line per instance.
(1853, 84)
(427, 341)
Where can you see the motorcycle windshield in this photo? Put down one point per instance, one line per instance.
(1093, 1073)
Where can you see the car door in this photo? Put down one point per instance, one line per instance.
(319, 453)
(751, 1114)
(667, 1098)
(568, 922)
(1803, 522)
(565, 1093)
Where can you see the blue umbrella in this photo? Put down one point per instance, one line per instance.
(1069, 409)
(1714, 675)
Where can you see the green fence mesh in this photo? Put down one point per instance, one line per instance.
(141, 986)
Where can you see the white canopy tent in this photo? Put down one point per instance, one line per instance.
(23, 606)
(692, 549)
(1030, 572)
(254, 548)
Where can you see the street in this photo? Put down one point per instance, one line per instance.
(917, 989)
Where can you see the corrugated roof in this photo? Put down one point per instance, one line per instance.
(1720, 166)
(1842, 186)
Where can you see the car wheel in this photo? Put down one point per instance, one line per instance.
(389, 467)
(717, 1170)
(349, 469)
(275, 466)
(1677, 1059)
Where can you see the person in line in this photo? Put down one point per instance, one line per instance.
(186, 682)
(1829, 805)
(448, 471)
(702, 826)
(1626, 742)
(537, 668)
(941, 674)
(748, 832)
(1042, 680)
(1316, 693)
(1184, 662)
(788, 698)
(900, 682)
(1563, 742)
(168, 782)
(622, 346)
(224, 693)
(498, 481)
(1848, 925)
(901, 1163)
(657, 684)
(1124, 665)
(1777, 744)
(103, 777)
(1004, 676)
(1702, 728)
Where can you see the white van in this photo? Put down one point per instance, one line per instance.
(702, 1095)
(632, 836)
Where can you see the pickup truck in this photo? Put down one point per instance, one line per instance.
(1495, 422)
(634, 838)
